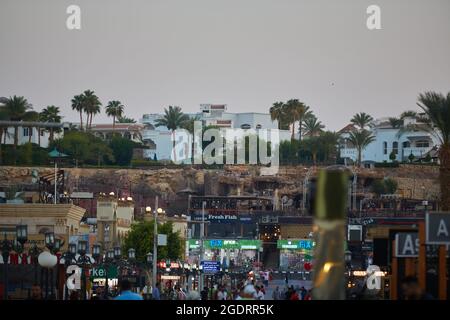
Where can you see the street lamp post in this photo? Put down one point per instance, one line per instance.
(69, 257)
(6, 249)
(82, 261)
(155, 238)
(109, 259)
(202, 247)
(150, 264)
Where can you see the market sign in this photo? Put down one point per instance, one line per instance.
(100, 273)
(211, 266)
(242, 244)
(232, 244)
(304, 244)
(249, 244)
(437, 228)
(407, 244)
(193, 244)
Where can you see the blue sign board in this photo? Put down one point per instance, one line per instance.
(211, 266)
(216, 243)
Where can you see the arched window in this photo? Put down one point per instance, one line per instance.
(245, 126)
(395, 147)
(406, 144)
(384, 147)
(258, 126)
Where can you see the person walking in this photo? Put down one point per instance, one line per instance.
(204, 293)
(126, 293)
(276, 294)
(259, 295)
(156, 292)
(222, 294)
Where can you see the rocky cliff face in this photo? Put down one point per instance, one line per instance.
(413, 180)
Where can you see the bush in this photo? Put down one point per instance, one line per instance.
(385, 186)
(386, 165)
(144, 163)
(390, 185)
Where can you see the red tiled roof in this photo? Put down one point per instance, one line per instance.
(348, 128)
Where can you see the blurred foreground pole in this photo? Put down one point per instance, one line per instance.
(329, 227)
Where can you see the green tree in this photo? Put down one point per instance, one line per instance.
(75, 144)
(329, 142)
(378, 187)
(411, 157)
(140, 238)
(312, 126)
(100, 151)
(123, 119)
(390, 186)
(4, 116)
(296, 111)
(278, 112)
(172, 119)
(361, 139)
(91, 106)
(122, 150)
(78, 105)
(362, 120)
(51, 114)
(18, 109)
(392, 156)
(312, 146)
(395, 122)
(114, 109)
(26, 154)
(408, 114)
(437, 109)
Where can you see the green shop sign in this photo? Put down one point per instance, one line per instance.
(100, 273)
(305, 244)
(226, 244)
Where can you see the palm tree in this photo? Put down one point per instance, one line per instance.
(312, 126)
(408, 114)
(91, 105)
(277, 112)
(362, 120)
(4, 116)
(297, 111)
(329, 141)
(437, 110)
(114, 109)
(123, 119)
(361, 139)
(18, 109)
(77, 104)
(173, 119)
(395, 122)
(51, 114)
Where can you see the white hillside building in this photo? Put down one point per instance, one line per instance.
(27, 134)
(210, 115)
(389, 139)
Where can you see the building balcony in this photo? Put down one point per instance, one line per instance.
(417, 152)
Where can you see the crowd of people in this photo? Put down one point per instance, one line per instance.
(246, 290)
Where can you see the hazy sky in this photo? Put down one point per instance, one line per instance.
(246, 53)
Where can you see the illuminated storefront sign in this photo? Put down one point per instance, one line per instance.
(225, 244)
(305, 244)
